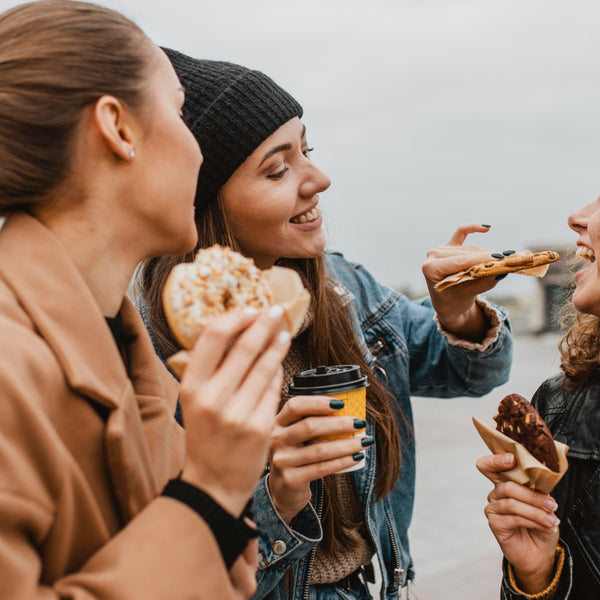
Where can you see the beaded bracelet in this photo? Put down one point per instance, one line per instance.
(549, 592)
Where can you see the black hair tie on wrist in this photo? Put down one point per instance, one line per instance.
(232, 534)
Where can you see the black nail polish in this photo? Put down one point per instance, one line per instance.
(508, 252)
(484, 225)
(367, 441)
(499, 277)
(359, 423)
(497, 255)
(358, 456)
(337, 404)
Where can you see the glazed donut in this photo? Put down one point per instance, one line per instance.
(218, 280)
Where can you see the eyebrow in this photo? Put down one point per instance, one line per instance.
(281, 147)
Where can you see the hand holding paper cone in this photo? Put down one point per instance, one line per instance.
(523, 427)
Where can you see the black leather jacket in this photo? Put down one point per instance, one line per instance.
(574, 419)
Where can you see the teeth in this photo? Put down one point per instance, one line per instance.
(307, 217)
(586, 253)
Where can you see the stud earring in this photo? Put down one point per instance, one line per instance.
(132, 153)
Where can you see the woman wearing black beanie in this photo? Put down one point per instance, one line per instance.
(259, 192)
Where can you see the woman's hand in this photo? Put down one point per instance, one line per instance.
(297, 458)
(455, 306)
(524, 524)
(229, 397)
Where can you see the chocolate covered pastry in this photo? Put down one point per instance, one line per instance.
(518, 419)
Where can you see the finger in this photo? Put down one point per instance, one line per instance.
(460, 235)
(305, 474)
(322, 451)
(299, 407)
(510, 523)
(520, 493)
(511, 507)
(259, 394)
(309, 428)
(213, 343)
(492, 464)
(246, 350)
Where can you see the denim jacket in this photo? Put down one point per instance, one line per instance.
(402, 342)
(573, 417)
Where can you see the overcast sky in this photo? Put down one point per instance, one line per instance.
(425, 113)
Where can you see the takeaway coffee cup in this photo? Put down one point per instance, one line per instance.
(345, 382)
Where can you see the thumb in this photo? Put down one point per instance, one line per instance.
(491, 464)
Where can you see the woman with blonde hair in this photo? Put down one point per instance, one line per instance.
(259, 192)
(102, 495)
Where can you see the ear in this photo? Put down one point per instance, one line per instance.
(115, 126)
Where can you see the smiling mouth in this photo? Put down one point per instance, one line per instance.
(308, 216)
(586, 254)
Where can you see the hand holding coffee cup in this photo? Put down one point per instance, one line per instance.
(344, 382)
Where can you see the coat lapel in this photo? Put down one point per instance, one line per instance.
(63, 310)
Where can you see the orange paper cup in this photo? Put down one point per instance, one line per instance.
(344, 382)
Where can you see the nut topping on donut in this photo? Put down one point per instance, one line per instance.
(218, 280)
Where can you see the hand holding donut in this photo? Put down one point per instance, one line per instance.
(229, 396)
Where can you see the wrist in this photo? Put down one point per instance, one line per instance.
(543, 583)
(470, 325)
(231, 502)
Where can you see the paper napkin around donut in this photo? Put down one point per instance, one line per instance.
(288, 292)
(528, 470)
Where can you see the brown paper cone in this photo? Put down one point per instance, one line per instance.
(528, 470)
(288, 292)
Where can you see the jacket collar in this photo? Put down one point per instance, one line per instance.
(573, 416)
(37, 267)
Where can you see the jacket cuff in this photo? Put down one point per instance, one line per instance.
(279, 543)
(495, 319)
(558, 589)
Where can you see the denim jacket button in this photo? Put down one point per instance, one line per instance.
(279, 547)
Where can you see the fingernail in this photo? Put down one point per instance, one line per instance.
(508, 252)
(284, 336)
(500, 277)
(359, 423)
(550, 504)
(497, 255)
(552, 520)
(276, 312)
(337, 404)
(358, 456)
(507, 459)
(367, 441)
(484, 225)
(250, 311)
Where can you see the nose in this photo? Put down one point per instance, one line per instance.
(578, 220)
(315, 181)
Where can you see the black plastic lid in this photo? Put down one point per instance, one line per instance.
(328, 380)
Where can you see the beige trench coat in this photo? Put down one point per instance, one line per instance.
(86, 445)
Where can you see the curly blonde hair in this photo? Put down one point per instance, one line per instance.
(580, 347)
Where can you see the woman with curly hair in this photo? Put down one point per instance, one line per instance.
(551, 543)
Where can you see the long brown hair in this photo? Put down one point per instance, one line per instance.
(56, 58)
(331, 340)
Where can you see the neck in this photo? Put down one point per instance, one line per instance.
(105, 260)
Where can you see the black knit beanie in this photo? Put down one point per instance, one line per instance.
(231, 110)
